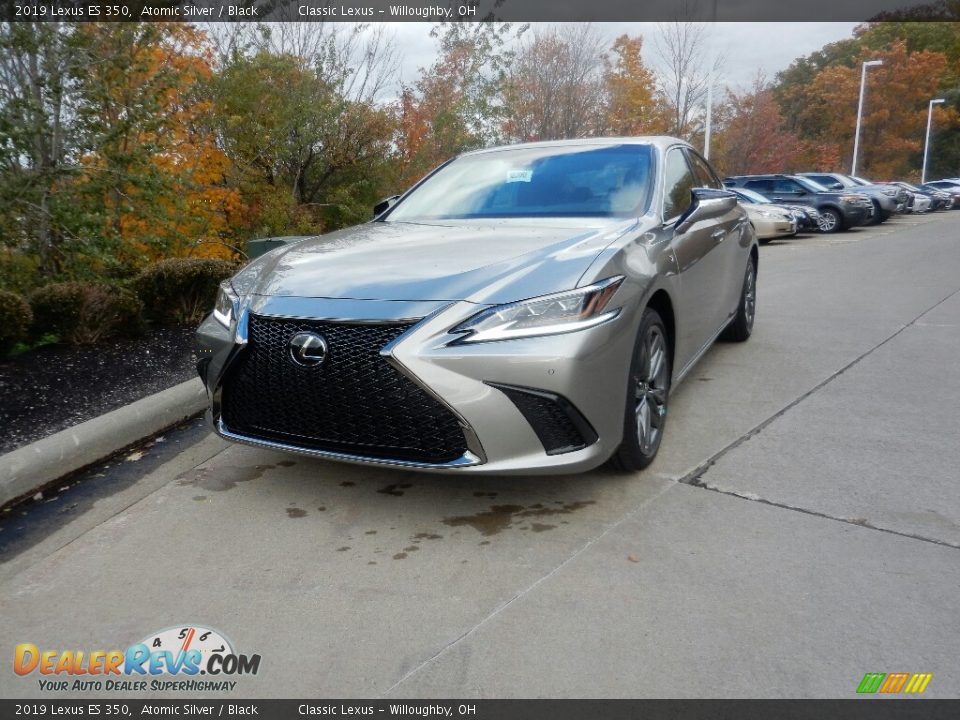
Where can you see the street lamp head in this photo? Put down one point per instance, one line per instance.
(871, 63)
(937, 101)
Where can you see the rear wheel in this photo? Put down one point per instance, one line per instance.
(648, 391)
(830, 221)
(877, 214)
(741, 327)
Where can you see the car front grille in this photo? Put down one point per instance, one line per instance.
(355, 402)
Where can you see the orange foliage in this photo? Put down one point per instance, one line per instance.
(894, 114)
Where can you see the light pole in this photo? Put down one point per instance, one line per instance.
(706, 132)
(863, 87)
(926, 143)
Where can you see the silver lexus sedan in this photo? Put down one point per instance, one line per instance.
(523, 309)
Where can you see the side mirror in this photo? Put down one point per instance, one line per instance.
(707, 204)
(381, 207)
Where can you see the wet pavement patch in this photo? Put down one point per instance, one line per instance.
(396, 489)
(500, 517)
(217, 479)
(347, 483)
(286, 463)
(293, 512)
(427, 536)
(399, 556)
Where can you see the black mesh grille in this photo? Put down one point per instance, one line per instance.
(355, 402)
(559, 425)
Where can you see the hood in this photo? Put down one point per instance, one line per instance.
(484, 262)
(766, 211)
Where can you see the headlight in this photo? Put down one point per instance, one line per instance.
(850, 198)
(226, 305)
(547, 315)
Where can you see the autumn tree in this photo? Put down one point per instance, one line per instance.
(39, 64)
(149, 157)
(455, 105)
(685, 75)
(630, 87)
(894, 115)
(754, 137)
(555, 86)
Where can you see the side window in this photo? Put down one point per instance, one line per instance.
(786, 185)
(703, 173)
(760, 186)
(678, 182)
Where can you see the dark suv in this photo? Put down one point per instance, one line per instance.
(838, 210)
(887, 198)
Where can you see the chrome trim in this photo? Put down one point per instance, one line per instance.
(242, 332)
(465, 460)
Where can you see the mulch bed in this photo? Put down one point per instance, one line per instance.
(51, 388)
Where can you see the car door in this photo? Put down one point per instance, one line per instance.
(790, 192)
(700, 261)
(734, 255)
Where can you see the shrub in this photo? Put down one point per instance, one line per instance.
(83, 313)
(180, 291)
(15, 319)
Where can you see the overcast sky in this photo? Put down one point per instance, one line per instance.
(747, 47)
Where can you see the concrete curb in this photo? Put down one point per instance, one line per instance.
(32, 466)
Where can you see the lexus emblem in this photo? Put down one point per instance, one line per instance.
(308, 349)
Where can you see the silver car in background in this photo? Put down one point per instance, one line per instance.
(523, 309)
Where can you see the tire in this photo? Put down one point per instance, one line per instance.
(830, 221)
(647, 396)
(877, 214)
(741, 327)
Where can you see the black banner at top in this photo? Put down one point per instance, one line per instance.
(476, 10)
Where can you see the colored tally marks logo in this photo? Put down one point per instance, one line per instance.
(891, 683)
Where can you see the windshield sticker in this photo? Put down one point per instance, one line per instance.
(519, 176)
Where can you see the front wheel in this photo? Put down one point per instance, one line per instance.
(648, 391)
(741, 327)
(830, 221)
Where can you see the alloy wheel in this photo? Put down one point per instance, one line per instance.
(651, 391)
(828, 221)
(750, 295)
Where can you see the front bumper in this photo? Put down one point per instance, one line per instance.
(857, 213)
(490, 388)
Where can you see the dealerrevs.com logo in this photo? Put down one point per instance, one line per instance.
(173, 659)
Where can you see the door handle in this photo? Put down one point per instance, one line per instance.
(719, 235)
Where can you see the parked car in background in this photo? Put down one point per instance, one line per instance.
(837, 210)
(885, 197)
(946, 188)
(903, 196)
(756, 205)
(939, 200)
(523, 309)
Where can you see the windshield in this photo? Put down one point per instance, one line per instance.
(559, 181)
(809, 184)
(752, 196)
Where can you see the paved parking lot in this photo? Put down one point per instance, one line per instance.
(800, 528)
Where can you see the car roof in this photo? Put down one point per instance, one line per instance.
(660, 141)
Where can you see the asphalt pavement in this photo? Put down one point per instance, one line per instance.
(800, 527)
